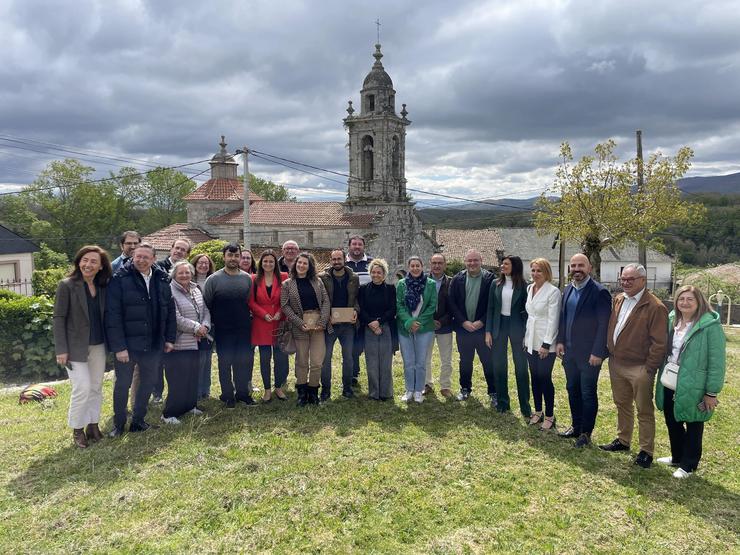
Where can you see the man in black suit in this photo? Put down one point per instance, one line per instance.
(468, 303)
(584, 318)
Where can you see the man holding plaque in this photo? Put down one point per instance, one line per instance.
(342, 285)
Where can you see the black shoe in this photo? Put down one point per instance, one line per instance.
(355, 382)
(584, 440)
(615, 445)
(140, 427)
(570, 433)
(348, 393)
(325, 396)
(248, 401)
(302, 391)
(643, 459)
(115, 432)
(313, 395)
(230, 404)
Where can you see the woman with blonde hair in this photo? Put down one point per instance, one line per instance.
(543, 316)
(691, 378)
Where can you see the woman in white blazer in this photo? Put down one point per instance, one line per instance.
(543, 314)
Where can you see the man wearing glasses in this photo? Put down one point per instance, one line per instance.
(637, 340)
(129, 241)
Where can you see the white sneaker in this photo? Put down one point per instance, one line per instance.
(196, 411)
(665, 460)
(406, 397)
(170, 420)
(680, 473)
(419, 396)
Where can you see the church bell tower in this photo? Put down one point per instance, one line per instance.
(377, 142)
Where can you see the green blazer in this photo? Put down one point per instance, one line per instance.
(701, 368)
(428, 306)
(518, 321)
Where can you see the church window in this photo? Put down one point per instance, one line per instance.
(309, 238)
(371, 102)
(396, 157)
(392, 102)
(275, 237)
(367, 158)
(400, 255)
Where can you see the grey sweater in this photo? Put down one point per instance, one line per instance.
(226, 297)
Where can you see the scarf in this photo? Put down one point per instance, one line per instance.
(414, 290)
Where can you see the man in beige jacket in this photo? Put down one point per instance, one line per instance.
(637, 339)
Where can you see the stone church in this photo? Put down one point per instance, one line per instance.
(377, 204)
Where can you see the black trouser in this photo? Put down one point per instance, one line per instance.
(685, 437)
(148, 363)
(345, 333)
(280, 361)
(542, 387)
(235, 362)
(581, 381)
(158, 389)
(468, 344)
(182, 369)
(501, 368)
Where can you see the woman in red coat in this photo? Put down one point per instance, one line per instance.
(264, 302)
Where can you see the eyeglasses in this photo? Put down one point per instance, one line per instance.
(131, 243)
(630, 279)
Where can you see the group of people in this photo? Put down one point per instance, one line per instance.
(165, 318)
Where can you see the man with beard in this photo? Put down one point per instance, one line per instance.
(342, 285)
(357, 260)
(226, 293)
(581, 342)
(129, 241)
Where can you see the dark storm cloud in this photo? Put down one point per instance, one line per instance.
(492, 88)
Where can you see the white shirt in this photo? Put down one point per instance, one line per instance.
(147, 279)
(507, 291)
(624, 313)
(678, 339)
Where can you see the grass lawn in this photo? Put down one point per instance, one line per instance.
(361, 476)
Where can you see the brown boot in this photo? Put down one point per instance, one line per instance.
(93, 432)
(78, 435)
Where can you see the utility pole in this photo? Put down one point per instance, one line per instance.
(641, 250)
(247, 240)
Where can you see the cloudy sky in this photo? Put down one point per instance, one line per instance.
(492, 88)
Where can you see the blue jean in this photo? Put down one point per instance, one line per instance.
(581, 381)
(345, 333)
(414, 348)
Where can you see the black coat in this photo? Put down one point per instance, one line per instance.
(456, 300)
(135, 319)
(588, 334)
(443, 314)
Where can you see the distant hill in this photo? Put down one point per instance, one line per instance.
(724, 184)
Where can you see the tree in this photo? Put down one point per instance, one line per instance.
(162, 193)
(268, 190)
(213, 250)
(72, 210)
(47, 258)
(599, 205)
(16, 215)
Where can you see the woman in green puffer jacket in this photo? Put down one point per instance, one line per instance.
(697, 347)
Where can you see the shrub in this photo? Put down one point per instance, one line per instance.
(8, 294)
(47, 258)
(454, 266)
(213, 250)
(45, 282)
(26, 338)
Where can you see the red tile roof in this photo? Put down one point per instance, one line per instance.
(313, 214)
(162, 240)
(456, 242)
(221, 189)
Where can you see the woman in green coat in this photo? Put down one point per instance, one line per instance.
(416, 301)
(697, 348)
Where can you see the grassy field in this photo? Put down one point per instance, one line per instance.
(361, 476)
